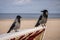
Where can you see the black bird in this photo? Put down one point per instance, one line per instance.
(42, 19)
(16, 24)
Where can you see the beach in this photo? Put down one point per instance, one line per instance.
(52, 27)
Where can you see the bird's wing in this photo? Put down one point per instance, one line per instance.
(13, 25)
(40, 17)
(38, 21)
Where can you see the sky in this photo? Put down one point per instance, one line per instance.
(29, 6)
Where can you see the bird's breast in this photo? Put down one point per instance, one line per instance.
(17, 26)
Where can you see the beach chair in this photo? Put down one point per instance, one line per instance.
(26, 34)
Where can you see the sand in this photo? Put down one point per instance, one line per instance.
(52, 31)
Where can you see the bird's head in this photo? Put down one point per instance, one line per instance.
(45, 12)
(18, 18)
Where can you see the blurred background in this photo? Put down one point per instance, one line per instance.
(30, 12)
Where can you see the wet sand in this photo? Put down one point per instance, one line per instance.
(52, 30)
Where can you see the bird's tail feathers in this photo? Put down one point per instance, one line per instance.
(37, 24)
(9, 31)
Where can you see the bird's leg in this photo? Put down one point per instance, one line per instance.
(16, 30)
(44, 25)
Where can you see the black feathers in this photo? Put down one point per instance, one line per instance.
(11, 28)
(42, 19)
(15, 24)
(37, 24)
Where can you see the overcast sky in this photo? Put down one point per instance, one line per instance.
(29, 6)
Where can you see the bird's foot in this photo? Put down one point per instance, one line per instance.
(43, 25)
(16, 31)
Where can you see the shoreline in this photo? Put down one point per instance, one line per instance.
(27, 18)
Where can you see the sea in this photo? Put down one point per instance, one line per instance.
(27, 15)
